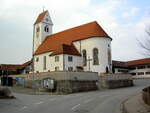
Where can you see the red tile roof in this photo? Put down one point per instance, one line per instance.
(119, 63)
(14, 67)
(66, 49)
(52, 42)
(9, 67)
(139, 62)
(40, 17)
(26, 64)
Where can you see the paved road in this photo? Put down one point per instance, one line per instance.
(106, 101)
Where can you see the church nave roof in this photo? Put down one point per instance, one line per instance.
(54, 41)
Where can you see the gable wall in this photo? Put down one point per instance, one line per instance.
(89, 44)
(77, 61)
(50, 62)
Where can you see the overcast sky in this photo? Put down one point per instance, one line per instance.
(124, 20)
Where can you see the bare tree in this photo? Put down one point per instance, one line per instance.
(145, 43)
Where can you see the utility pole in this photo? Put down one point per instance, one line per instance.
(2, 76)
(6, 76)
(89, 60)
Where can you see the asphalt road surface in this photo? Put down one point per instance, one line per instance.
(105, 101)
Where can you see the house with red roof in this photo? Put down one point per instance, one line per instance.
(139, 67)
(14, 69)
(86, 47)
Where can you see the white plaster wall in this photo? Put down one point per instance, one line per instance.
(117, 70)
(96, 42)
(36, 39)
(77, 61)
(48, 23)
(49, 18)
(87, 44)
(50, 62)
(38, 66)
(42, 34)
(140, 70)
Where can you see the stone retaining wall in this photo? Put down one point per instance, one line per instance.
(65, 82)
(146, 95)
(75, 86)
(69, 82)
(112, 81)
(64, 86)
(60, 75)
(111, 84)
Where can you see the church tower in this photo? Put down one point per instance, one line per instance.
(42, 28)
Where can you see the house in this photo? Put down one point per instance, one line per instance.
(86, 47)
(26, 67)
(119, 67)
(9, 69)
(12, 69)
(134, 67)
(140, 66)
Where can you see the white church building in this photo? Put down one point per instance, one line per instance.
(86, 47)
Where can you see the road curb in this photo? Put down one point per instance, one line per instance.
(123, 108)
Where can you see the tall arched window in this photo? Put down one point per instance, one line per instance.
(95, 57)
(84, 57)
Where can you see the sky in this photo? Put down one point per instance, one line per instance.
(123, 20)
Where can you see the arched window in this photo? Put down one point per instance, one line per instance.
(46, 29)
(95, 57)
(84, 57)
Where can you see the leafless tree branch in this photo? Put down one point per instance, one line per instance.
(145, 44)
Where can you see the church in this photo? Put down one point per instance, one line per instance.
(82, 48)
